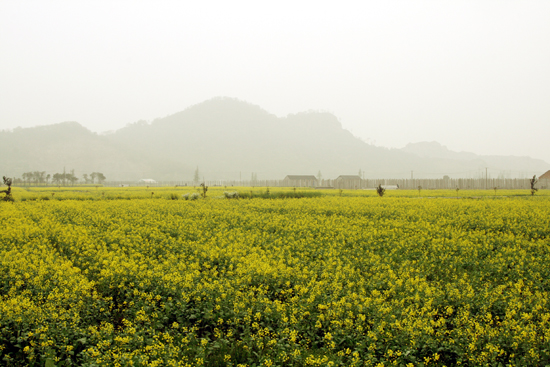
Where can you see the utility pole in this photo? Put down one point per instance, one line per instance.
(486, 180)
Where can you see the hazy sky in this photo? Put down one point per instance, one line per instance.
(472, 75)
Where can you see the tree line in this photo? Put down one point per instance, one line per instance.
(41, 178)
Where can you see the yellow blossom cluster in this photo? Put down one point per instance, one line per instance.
(93, 193)
(322, 281)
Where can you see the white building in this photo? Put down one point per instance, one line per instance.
(147, 181)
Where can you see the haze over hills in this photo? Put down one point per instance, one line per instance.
(504, 164)
(230, 139)
(51, 148)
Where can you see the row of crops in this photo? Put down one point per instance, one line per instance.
(333, 280)
(221, 192)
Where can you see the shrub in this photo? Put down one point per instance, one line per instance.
(7, 182)
(380, 190)
(231, 195)
(193, 196)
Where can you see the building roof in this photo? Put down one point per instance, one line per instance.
(545, 176)
(349, 177)
(301, 177)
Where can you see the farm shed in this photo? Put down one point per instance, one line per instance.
(300, 181)
(348, 182)
(544, 181)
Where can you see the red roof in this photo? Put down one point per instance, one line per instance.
(545, 176)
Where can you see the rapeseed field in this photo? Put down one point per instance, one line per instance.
(129, 278)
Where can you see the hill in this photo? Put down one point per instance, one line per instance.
(66, 145)
(506, 164)
(228, 139)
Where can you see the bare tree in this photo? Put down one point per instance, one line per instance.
(204, 190)
(380, 190)
(533, 183)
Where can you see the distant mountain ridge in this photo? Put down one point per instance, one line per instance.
(435, 150)
(230, 139)
(54, 147)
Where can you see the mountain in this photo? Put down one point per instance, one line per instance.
(230, 139)
(434, 150)
(225, 136)
(66, 145)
